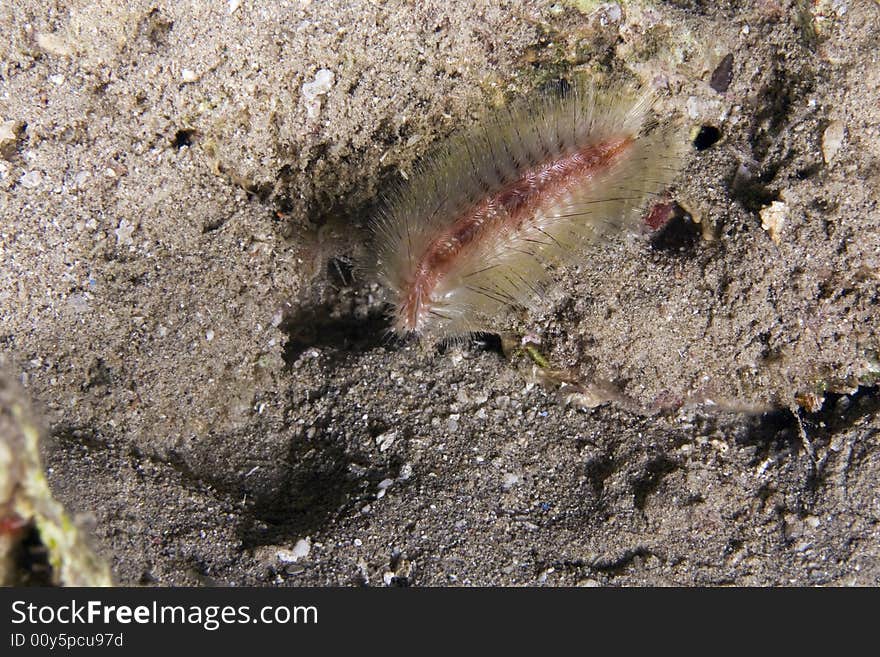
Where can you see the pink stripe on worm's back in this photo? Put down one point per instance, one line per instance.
(510, 209)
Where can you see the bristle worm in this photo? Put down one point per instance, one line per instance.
(474, 231)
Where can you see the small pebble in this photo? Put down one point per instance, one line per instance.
(722, 75)
(509, 480)
(312, 91)
(386, 440)
(123, 233)
(832, 140)
(773, 219)
(300, 551)
(7, 132)
(52, 44)
(452, 422)
(32, 179)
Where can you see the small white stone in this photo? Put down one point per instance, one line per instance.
(386, 440)
(123, 233)
(312, 91)
(773, 219)
(52, 44)
(509, 480)
(233, 6)
(7, 132)
(57, 80)
(188, 75)
(692, 105)
(300, 551)
(209, 335)
(32, 179)
(452, 422)
(832, 140)
(609, 12)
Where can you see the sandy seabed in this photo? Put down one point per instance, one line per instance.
(184, 185)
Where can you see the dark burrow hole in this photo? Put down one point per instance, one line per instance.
(679, 235)
(490, 342)
(771, 432)
(809, 170)
(100, 376)
(215, 223)
(184, 137)
(481, 341)
(157, 28)
(706, 137)
(283, 205)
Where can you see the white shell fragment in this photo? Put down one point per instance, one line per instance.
(312, 91)
(300, 551)
(832, 140)
(773, 219)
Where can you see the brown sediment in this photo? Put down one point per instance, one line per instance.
(509, 208)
